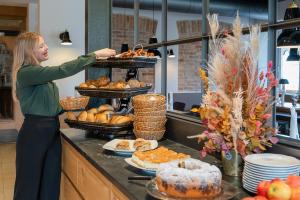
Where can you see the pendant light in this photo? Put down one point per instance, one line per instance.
(124, 46)
(294, 56)
(153, 39)
(65, 38)
(171, 53)
(289, 38)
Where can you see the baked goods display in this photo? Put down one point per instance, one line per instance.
(130, 146)
(190, 178)
(104, 114)
(153, 158)
(137, 53)
(103, 82)
(149, 116)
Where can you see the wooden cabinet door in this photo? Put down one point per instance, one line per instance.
(70, 162)
(90, 183)
(117, 195)
(68, 192)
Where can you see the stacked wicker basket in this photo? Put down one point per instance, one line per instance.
(149, 116)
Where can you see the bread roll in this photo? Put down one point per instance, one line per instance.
(92, 86)
(103, 81)
(118, 119)
(83, 85)
(105, 107)
(82, 116)
(93, 110)
(133, 83)
(101, 118)
(90, 117)
(71, 116)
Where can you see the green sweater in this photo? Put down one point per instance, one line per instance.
(37, 94)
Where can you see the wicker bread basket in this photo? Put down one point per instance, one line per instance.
(74, 103)
(149, 118)
(150, 124)
(149, 128)
(148, 100)
(149, 135)
(148, 109)
(151, 113)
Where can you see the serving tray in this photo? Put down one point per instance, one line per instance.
(103, 128)
(112, 93)
(228, 192)
(125, 63)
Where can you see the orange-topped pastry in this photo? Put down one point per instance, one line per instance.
(153, 158)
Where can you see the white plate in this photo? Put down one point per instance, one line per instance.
(270, 172)
(271, 168)
(111, 146)
(133, 164)
(272, 160)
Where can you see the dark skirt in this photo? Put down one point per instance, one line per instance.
(38, 159)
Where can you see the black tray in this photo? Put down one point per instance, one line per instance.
(125, 63)
(103, 128)
(112, 93)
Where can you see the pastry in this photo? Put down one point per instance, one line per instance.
(123, 145)
(105, 107)
(103, 81)
(189, 179)
(141, 144)
(101, 118)
(90, 117)
(82, 116)
(153, 158)
(119, 119)
(133, 83)
(71, 116)
(83, 85)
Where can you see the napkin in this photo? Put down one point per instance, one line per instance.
(294, 124)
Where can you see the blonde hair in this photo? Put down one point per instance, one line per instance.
(23, 55)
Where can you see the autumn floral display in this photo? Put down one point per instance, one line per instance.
(237, 103)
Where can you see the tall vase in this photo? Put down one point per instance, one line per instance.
(231, 162)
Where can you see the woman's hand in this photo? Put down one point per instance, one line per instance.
(105, 53)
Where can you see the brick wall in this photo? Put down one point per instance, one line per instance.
(122, 32)
(189, 56)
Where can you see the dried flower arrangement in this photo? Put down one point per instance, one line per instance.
(237, 104)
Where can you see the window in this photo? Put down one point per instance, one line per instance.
(289, 70)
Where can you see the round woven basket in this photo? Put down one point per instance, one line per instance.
(148, 100)
(151, 113)
(149, 118)
(74, 103)
(149, 128)
(150, 124)
(149, 135)
(148, 109)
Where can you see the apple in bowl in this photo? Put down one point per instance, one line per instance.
(279, 190)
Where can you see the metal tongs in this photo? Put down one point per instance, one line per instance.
(131, 178)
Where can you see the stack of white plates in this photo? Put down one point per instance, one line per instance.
(259, 167)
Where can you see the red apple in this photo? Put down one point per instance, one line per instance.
(279, 190)
(295, 193)
(260, 198)
(293, 181)
(263, 187)
(248, 198)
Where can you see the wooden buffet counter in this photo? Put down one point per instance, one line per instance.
(90, 172)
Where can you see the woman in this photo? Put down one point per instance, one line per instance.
(38, 148)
